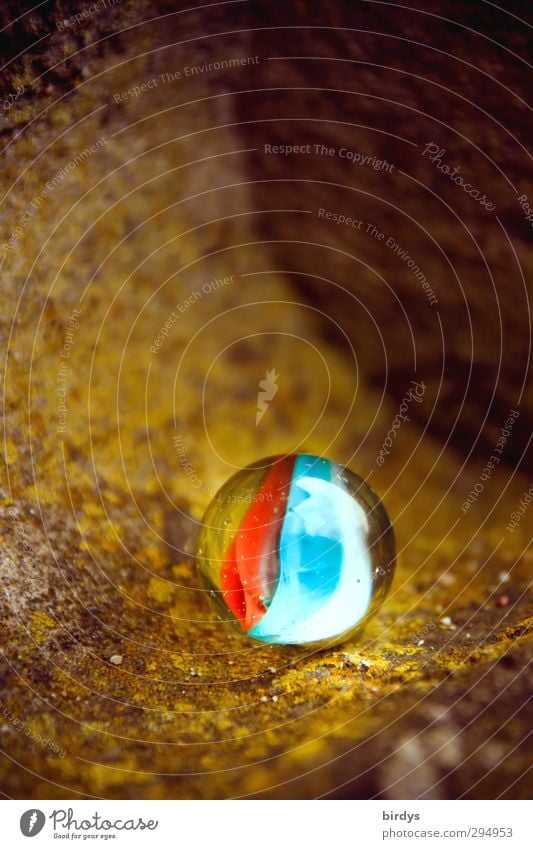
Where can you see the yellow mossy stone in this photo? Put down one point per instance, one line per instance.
(41, 625)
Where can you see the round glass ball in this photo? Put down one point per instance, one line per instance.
(296, 550)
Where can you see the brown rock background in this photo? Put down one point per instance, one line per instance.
(99, 518)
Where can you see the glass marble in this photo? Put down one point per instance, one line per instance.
(296, 550)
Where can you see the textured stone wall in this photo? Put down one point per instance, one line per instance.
(126, 206)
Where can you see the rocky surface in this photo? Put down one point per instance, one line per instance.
(100, 503)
